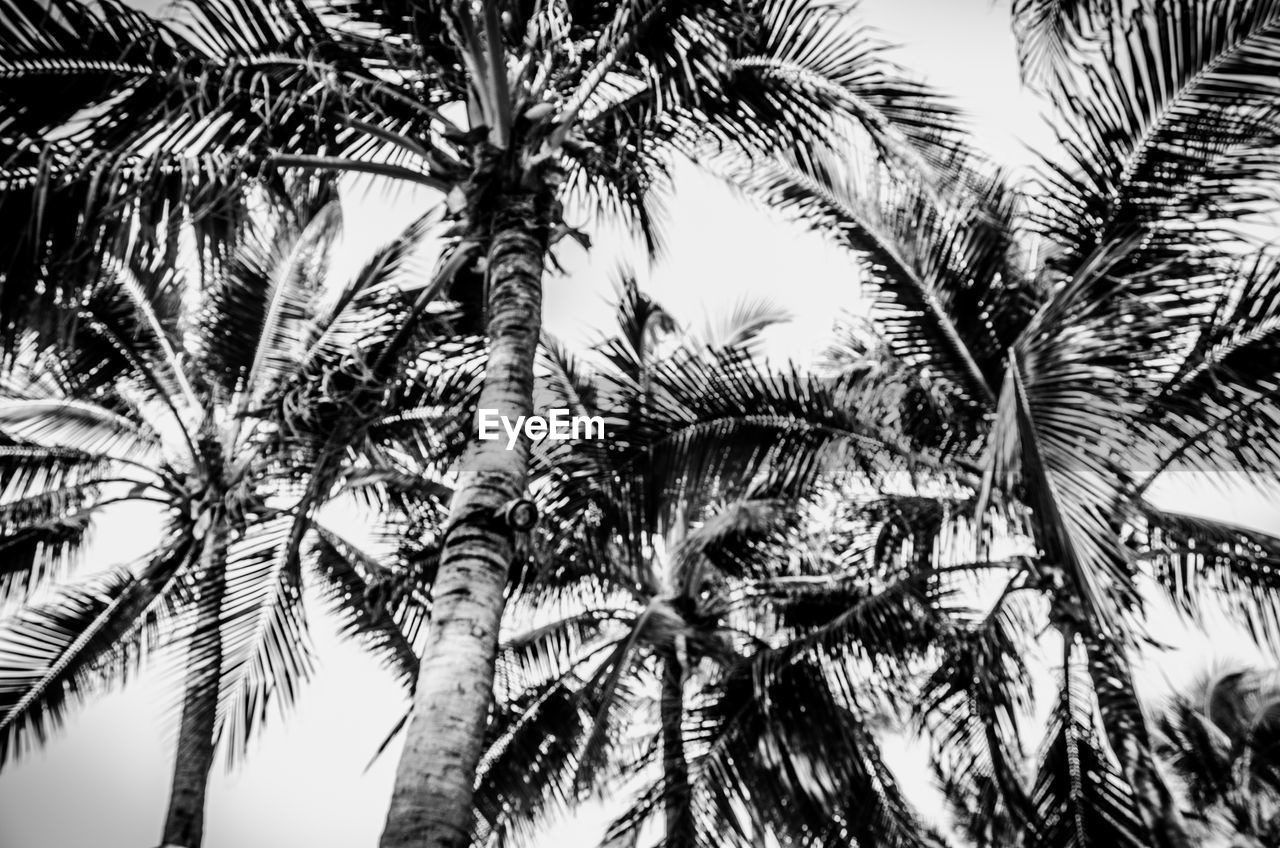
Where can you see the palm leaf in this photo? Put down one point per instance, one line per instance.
(753, 756)
(1217, 411)
(1081, 798)
(946, 279)
(531, 657)
(38, 551)
(973, 705)
(1211, 565)
(814, 61)
(1052, 33)
(1167, 134)
(89, 636)
(357, 589)
(528, 772)
(265, 643)
(281, 330)
(75, 426)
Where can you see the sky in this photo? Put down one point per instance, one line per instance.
(103, 780)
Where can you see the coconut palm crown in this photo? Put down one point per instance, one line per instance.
(239, 407)
(685, 632)
(1219, 734)
(512, 109)
(1083, 338)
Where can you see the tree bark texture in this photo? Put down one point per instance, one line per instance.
(193, 760)
(1127, 733)
(677, 805)
(435, 779)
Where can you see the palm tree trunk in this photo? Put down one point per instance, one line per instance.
(431, 801)
(184, 820)
(676, 799)
(1127, 733)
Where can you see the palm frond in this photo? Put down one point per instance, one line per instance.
(1057, 451)
(950, 294)
(815, 63)
(1171, 129)
(1053, 33)
(544, 652)
(78, 426)
(265, 646)
(778, 75)
(615, 688)
(754, 763)
(1217, 411)
(161, 124)
(282, 328)
(40, 550)
(89, 636)
(1211, 565)
(31, 472)
(363, 311)
(727, 419)
(973, 705)
(859, 628)
(527, 775)
(740, 326)
(1198, 733)
(384, 609)
(1080, 796)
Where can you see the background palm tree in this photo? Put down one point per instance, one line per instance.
(240, 404)
(680, 584)
(562, 103)
(1221, 736)
(1071, 335)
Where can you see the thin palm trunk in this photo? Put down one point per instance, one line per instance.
(184, 819)
(676, 798)
(1113, 681)
(431, 801)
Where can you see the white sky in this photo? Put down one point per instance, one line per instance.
(103, 781)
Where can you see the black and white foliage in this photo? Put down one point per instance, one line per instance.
(765, 575)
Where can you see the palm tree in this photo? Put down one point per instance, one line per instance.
(239, 406)
(680, 584)
(512, 109)
(1219, 735)
(1080, 341)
